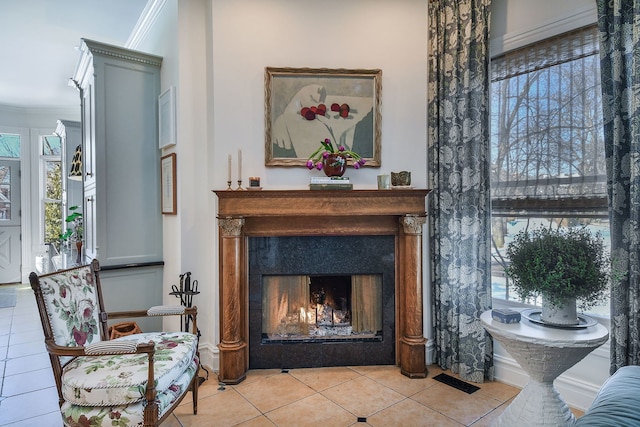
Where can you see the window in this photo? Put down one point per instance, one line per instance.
(9, 149)
(51, 162)
(548, 166)
(10, 146)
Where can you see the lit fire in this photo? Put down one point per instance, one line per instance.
(323, 314)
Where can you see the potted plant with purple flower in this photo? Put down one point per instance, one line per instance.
(333, 160)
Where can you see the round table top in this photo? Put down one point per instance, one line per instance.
(528, 331)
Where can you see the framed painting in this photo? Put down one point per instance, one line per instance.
(168, 182)
(304, 106)
(167, 118)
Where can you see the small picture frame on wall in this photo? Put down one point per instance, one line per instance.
(167, 118)
(168, 182)
(304, 106)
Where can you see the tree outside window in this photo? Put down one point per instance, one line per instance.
(53, 188)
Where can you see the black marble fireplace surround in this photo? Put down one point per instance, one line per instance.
(321, 255)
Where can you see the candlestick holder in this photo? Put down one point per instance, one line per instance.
(239, 185)
(229, 186)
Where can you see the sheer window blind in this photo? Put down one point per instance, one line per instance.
(546, 125)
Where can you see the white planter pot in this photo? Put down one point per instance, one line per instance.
(561, 315)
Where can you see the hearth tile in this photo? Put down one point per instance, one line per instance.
(409, 413)
(274, 391)
(433, 370)
(227, 408)
(489, 419)
(368, 369)
(311, 411)
(171, 421)
(404, 385)
(261, 421)
(323, 378)
(362, 396)
(206, 389)
(259, 374)
(497, 390)
(467, 409)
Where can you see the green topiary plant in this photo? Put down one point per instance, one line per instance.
(75, 220)
(558, 265)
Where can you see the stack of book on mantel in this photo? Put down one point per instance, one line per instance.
(330, 183)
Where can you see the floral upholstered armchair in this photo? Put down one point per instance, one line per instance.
(135, 380)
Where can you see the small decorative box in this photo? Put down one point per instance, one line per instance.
(505, 315)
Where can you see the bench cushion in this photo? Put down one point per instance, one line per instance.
(122, 379)
(126, 415)
(617, 403)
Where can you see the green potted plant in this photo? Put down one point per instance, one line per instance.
(74, 230)
(563, 266)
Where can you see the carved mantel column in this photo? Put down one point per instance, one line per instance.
(412, 341)
(233, 343)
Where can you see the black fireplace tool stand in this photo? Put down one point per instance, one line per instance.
(186, 292)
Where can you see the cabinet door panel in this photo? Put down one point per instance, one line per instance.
(122, 175)
(90, 251)
(88, 122)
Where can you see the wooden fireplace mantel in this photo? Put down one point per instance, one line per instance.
(242, 214)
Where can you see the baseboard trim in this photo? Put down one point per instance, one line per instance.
(210, 357)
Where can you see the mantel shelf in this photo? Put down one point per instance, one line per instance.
(300, 203)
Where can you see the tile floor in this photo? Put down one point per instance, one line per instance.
(340, 396)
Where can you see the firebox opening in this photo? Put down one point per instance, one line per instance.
(281, 269)
(321, 308)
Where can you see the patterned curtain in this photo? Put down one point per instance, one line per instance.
(619, 26)
(460, 210)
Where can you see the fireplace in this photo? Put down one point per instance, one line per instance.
(321, 301)
(315, 221)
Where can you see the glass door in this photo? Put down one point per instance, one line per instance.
(10, 245)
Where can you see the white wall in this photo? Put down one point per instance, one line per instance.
(160, 39)
(252, 34)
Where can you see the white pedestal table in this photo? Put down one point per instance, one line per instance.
(544, 353)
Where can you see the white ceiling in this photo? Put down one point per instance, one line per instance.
(39, 40)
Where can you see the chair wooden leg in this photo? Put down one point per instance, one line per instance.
(151, 410)
(194, 392)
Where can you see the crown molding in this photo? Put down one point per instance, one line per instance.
(58, 111)
(145, 22)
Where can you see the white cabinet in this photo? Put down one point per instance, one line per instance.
(119, 91)
(71, 135)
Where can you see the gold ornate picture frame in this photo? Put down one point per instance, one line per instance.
(304, 106)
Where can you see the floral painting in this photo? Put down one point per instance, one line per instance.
(305, 105)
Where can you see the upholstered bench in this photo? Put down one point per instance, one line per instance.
(617, 404)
